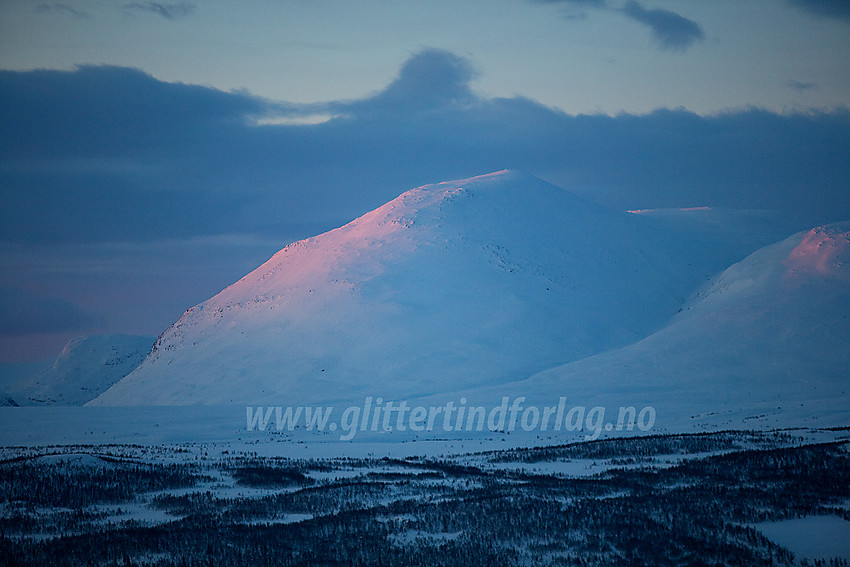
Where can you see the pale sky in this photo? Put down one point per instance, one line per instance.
(580, 56)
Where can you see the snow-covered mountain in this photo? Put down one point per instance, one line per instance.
(767, 340)
(85, 368)
(454, 285)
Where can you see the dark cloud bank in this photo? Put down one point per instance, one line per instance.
(838, 9)
(106, 153)
(23, 312)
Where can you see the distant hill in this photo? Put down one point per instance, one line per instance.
(85, 368)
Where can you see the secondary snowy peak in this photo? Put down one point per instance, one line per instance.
(463, 283)
(85, 368)
(804, 260)
(764, 343)
(824, 250)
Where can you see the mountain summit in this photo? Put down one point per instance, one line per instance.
(458, 284)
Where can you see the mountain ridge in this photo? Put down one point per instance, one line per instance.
(472, 281)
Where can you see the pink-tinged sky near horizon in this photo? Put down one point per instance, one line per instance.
(152, 153)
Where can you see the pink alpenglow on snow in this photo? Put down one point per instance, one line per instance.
(504, 285)
(824, 250)
(473, 282)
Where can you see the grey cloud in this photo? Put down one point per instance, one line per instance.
(105, 154)
(672, 31)
(837, 9)
(800, 86)
(587, 3)
(430, 79)
(61, 8)
(167, 11)
(106, 111)
(577, 7)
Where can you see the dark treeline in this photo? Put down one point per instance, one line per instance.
(646, 446)
(68, 485)
(450, 512)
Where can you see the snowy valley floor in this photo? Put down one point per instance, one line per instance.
(267, 498)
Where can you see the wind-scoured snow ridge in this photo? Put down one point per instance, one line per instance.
(467, 283)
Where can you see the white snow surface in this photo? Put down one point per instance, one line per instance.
(765, 344)
(506, 286)
(469, 283)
